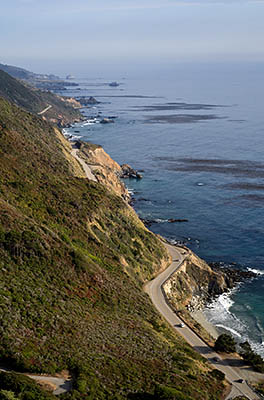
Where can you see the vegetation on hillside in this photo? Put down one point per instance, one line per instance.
(18, 387)
(35, 101)
(225, 343)
(73, 259)
(16, 72)
(251, 358)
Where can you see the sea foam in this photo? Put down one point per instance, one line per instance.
(227, 328)
(256, 271)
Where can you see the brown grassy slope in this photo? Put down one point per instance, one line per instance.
(73, 258)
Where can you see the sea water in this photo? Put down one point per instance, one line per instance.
(197, 132)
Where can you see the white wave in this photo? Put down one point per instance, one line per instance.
(256, 271)
(65, 132)
(259, 326)
(91, 121)
(223, 303)
(227, 328)
(173, 241)
(258, 347)
(74, 138)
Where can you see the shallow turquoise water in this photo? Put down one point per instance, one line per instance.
(209, 172)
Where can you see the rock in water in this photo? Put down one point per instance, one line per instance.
(172, 220)
(90, 101)
(129, 172)
(106, 121)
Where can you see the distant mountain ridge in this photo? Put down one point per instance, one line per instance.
(21, 73)
(35, 101)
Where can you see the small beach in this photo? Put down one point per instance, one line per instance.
(200, 317)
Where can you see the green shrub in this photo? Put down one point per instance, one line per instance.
(168, 393)
(7, 395)
(252, 358)
(219, 375)
(225, 343)
(16, 386)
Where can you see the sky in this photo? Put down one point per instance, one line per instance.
(71, 36)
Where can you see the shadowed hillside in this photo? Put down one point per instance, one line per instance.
(73, 259)
(35, 101)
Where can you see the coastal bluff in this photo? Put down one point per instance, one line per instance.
(105, 169)
(196, 283)
(74, 257)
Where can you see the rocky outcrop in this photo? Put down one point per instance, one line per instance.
(196, 283)
(129, 172)
(106, 170)
(149, 222)
(73, 102)
(107, 121)
(173, 220)
(88, 101)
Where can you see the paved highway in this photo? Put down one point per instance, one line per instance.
(45, 110)
(87, 169)
(61, 385)
(154, 289)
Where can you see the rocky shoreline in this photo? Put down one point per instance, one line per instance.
(198, 283)
(232, 277)
(195, 285)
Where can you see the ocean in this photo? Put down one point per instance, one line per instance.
(197, 132)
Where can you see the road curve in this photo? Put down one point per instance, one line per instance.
(86, 168)
(156, 293)
(45, 110)
(61, 385)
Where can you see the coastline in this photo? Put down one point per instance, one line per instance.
(200, 317)
(207, 332)
(196, 313)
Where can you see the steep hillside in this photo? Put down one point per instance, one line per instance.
(17, 72)
(106, 170)
(196, 283)
(36, 101)
(73, 259)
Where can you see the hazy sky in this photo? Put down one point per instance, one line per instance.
(73, 35)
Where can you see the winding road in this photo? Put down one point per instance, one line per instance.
(45, 110)
(156, 293)
(86, 168)
(61, 385)
(155, 290)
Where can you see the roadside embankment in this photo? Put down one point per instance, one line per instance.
(193, 286)
(103, 167)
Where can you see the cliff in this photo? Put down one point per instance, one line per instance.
(73, 260)
(195, 283)
(106, 170)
